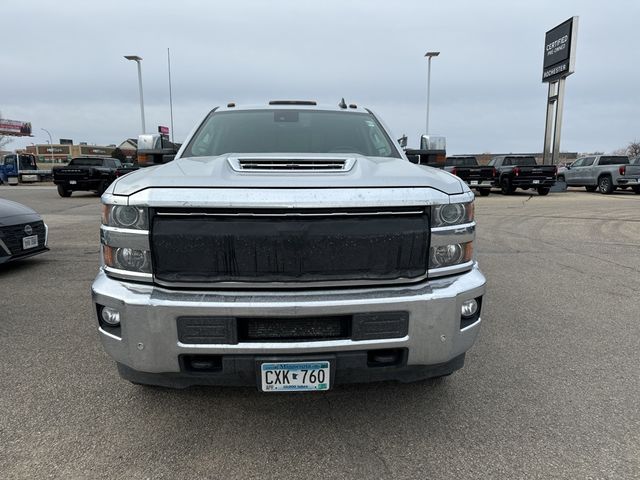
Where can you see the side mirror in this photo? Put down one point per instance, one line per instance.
(433, 142)
(414, 158)
(402, 141)
(568, 167)
(167, 158)
(151, 141)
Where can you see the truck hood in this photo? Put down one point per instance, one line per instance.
(217, 172)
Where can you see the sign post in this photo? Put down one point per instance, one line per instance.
(559, 62)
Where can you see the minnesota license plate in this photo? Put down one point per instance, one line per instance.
(30, 242)
(474, 182)
(295, 376)
(536, 181)
(72, 182)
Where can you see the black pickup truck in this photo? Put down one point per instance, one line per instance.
(86, 174)
(478, 177)
(522, 171)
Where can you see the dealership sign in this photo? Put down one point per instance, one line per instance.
(560, 51)
(91, 150)
(52, 150)
(15, 128)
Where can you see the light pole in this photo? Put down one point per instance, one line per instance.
(138, 59)
(170, 96)
(50, 144)
(429, 55)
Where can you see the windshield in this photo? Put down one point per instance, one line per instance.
(27, 162)
(86, 162)
(614, 160)
(290, 131)
(461, 162)
(520, 161)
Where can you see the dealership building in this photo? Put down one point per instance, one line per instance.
(62, 153)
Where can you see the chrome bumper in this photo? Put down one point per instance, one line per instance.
(629, 181)
(149, 338)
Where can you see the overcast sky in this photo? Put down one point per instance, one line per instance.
(63, 68)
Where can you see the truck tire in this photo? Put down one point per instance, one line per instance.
(101, 188)
(484, 192)
(63, 192)
(561, 178)
(636, 190)
(543, 191)
(506, 187)
(590, 188)
(605, 185)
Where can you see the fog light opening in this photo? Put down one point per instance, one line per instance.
(469, 308)
(110, 316)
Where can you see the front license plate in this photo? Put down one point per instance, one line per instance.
(536, 181)
(72, 182)
(30, 242)
(474, 182)
(295, 377)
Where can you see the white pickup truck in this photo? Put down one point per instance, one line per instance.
(291, 247)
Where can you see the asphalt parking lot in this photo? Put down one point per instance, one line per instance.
(550, 390)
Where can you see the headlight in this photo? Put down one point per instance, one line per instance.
(128, 259)
(450, 255)
(451, 214)
(125, 216)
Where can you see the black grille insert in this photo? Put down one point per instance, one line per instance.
(283, 329)
(289, 246)
(231, 330)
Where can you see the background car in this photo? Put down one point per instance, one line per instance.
(23, 233)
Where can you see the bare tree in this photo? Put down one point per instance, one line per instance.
(633, 149)
(620, 151)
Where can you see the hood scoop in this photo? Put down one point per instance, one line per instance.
(291, 164)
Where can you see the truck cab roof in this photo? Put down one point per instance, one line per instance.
(289, 104)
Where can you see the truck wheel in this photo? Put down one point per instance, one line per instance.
(636, 190)
(561, 178)
(543, 191)
(506, 187)
(590, 188)
(484, 192)
(63, 192)
(605, 185)
(103, 186)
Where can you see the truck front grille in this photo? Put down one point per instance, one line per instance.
(267, 247)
